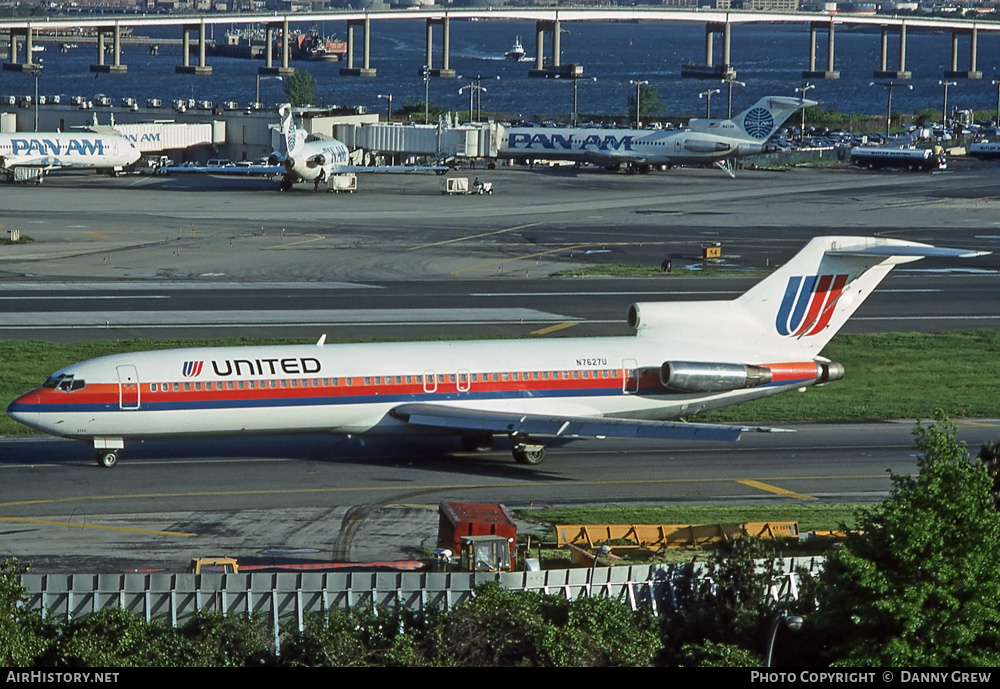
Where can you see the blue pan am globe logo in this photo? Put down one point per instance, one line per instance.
(758, 123)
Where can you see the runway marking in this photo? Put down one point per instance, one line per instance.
(774, 489)
(976, 423)
(519, 258)
(47, 522)
(129, 297)
(471, 236)
(569, 247)
(314, 238)
(97, 234)
(553, 328)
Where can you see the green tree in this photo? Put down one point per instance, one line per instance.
(114, 637)
(728, 607)
(24, 634)
(918, 584)
(358, 637)
(217, 640)
(711, 654)
(650, 104)
(300, 88)
(502, 628)
(415, 111)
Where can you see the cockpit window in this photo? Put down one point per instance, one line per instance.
(65, 383)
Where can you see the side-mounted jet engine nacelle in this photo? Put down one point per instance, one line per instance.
(698, 376)
(702, 376)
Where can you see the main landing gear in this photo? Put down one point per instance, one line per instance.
(107, 451)
(526, 452)
(107, 458)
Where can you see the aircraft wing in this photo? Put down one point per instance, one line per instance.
(462, 418)
(391, 169)
(609, 158)
(235, 170)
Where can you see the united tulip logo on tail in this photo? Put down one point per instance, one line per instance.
(808, 304)
(192, 369)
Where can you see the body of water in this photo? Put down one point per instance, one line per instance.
(768, 58)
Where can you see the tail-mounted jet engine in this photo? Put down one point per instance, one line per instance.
(702, 376)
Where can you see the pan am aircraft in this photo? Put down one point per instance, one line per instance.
(684, 358)
(27, 156)
(706, 142)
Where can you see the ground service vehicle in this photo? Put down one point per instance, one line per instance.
(877, 157)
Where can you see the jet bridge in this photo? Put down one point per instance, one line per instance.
(441, 141)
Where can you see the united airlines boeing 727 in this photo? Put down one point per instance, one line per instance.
(684, 358)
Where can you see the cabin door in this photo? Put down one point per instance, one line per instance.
(630, 375)
(128, 387)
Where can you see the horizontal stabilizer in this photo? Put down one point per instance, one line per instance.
(917, 250)
(460, 418)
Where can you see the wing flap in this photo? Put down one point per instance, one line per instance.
(461, 418)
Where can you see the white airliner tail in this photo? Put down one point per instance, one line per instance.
(757, 123)
(793, 313)
(291, 137)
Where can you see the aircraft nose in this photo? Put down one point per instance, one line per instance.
(23, 409)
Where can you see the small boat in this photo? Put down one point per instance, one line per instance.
(516, 53)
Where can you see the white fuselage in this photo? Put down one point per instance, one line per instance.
(352, 388)
(55, 150)
(616, 146)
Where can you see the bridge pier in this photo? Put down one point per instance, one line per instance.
(955, 72)
(350, 70)
(812, 72)
(445, 69)
(14, 65)
(116, 66)
(269, 68)
(883, 72)
(187, 68)
(709, 70)
(554, 67)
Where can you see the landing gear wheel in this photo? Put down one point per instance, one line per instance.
(286, 184)
(107, 458)
(476, 442)
(529, 454)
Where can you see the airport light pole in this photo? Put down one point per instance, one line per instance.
(802, 96)
(638, 85)
(996, 122)
(426, 72)
(791, 622)
(260, 78)
(576, 111)
(472, 88)
(479, 96)
(888, 107)
(707, 95)
(35, 70)
(731, 83)
(944, 104)
(388, 111)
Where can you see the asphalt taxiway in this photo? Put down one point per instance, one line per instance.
(161, 257)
